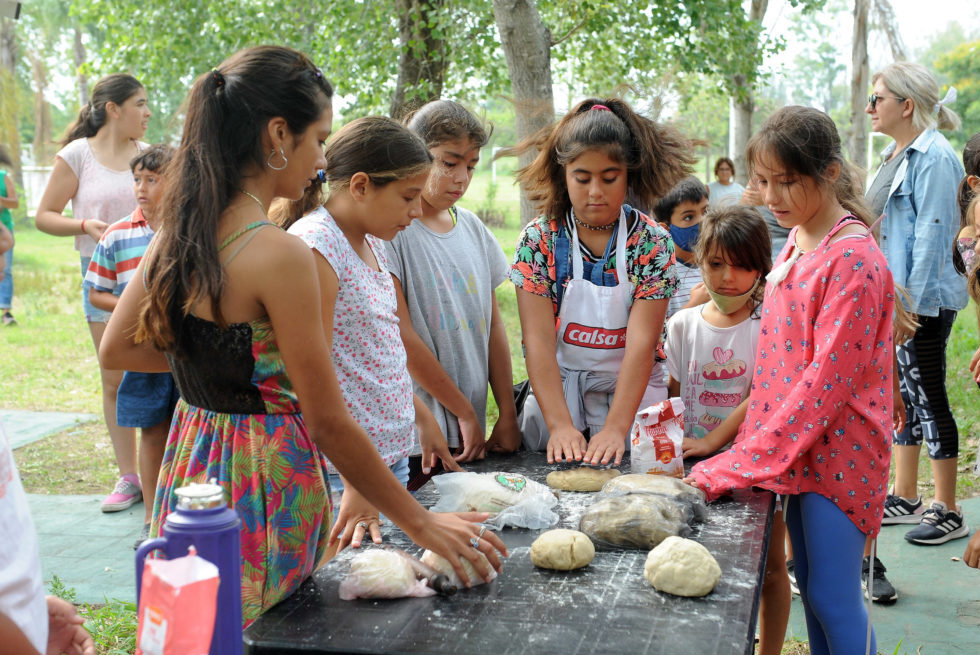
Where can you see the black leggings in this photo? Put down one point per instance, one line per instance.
(922, 380)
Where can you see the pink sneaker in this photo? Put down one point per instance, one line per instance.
(126, 494)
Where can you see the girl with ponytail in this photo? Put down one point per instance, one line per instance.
(92, 172)
(818, 424)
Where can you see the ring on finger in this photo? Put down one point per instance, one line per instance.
(363, 525)
(483, 529)
(475, 542)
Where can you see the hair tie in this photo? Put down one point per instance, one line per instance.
(599, 108)
(219, 79)
(949, 98)
(321, 176)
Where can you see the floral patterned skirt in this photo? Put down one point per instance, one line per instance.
(274, 477)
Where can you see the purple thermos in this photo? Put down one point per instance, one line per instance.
(202, 519)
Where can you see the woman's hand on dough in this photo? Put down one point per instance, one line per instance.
(473, 440)
(566, 444)
(604, 446)
(450, 535)
(355, 512)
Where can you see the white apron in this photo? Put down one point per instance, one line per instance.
(591, 346)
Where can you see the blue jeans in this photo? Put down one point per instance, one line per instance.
(7, 283)
(399, 468)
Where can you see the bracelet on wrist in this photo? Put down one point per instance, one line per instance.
(83, 225)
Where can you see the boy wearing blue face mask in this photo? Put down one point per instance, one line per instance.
(681, 211)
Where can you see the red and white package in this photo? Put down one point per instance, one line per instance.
(178, 603)
(656, 438)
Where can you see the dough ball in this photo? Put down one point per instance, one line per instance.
(658, 484)
(682, 567)
(584, 478)
(636, 520)
(562, 550)
(441, 564)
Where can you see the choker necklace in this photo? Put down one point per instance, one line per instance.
(253, 197)
(594, 228)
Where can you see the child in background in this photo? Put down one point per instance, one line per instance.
(92, 172)
(145, 400)
(375, 172)
(8, 201)
(711, 351)
(681, 212)
(818, 424)
(446, 266)
(711, 348)
(606, 285)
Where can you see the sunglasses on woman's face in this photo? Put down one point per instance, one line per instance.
(874, 98)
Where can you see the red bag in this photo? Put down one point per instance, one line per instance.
(178, 603)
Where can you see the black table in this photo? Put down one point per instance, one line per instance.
(607, 607)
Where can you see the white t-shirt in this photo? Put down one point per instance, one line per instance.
(448, 280)
(713, 365)
(103, 193)
(21, 586)
(721, 195)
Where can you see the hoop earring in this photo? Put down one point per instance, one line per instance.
(285, 162)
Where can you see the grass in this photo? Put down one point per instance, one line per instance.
(49, 363)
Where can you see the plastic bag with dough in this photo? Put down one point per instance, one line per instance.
(636, 520)
(516, 500)
(659, 484)
(378, 573)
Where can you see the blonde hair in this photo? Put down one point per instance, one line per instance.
(914, 82)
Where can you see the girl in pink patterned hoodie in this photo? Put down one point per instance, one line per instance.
(818, 424)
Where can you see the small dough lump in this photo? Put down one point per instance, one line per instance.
(682, 567)
(442, 565)
(562, 550)
(584, 478)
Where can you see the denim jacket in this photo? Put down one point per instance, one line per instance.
(920, 224)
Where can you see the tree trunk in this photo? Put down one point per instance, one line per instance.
(43, 145)
(857, 143)
(526, 42)
(78, 54)
(8, 99)
(423, 62)
(744, 108)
